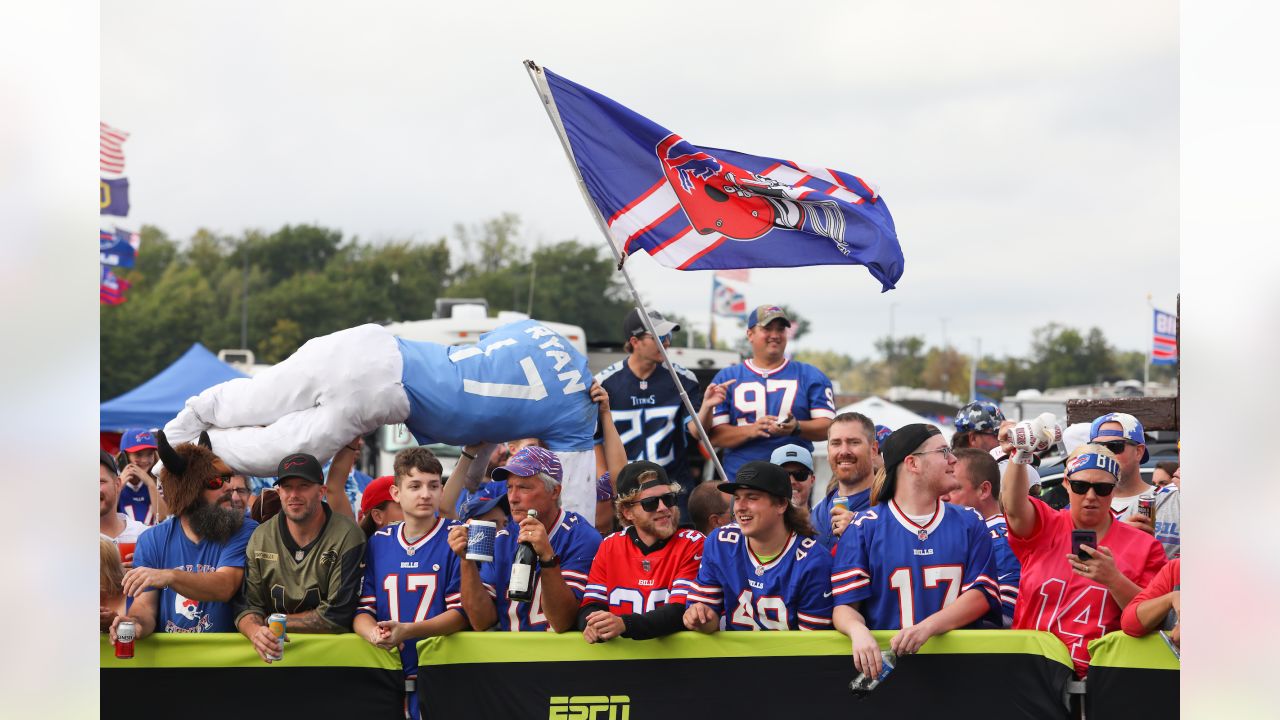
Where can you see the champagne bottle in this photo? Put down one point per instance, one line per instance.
(520, 588)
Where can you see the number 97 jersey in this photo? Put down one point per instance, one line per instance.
(792, 388)
(790, 592)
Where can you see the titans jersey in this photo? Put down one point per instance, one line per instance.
(136, 503)
(573, 538)
(650, 417)
(792, 388)
(628, 581)
(903, 572)
(790, 592)
(410, 582)
(1008, 568)
(820, 518)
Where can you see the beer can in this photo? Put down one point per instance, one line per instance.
(840, 502)
(278, 622)
(126, 633)
(1147, 505)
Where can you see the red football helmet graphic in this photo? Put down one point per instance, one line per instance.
(709, 194)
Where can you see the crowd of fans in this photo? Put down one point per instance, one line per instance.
(912, 534)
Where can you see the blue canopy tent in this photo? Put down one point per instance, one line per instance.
(158, 400)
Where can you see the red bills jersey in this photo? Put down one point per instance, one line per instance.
(628, 581)
(1052, 597)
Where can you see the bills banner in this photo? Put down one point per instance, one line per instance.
(1164, 340)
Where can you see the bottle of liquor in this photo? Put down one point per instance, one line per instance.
(520, 588)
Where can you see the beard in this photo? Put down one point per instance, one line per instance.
(213, 522)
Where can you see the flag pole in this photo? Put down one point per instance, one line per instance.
(549, 104)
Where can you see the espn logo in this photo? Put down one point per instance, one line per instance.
(590, 707)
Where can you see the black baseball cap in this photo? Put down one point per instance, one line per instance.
(633, 326)
(629, 478)
(901, 443)
(300, 465)
(761, 475)
(105, 460)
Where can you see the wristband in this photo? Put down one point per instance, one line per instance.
(468, 455)
(553, 562)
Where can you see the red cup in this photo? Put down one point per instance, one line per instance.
(126, 549)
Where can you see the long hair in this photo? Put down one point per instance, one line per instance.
(187, 468)
(882, 488)
(110, 569)
(796, 520)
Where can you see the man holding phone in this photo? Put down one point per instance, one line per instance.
(1080, 567)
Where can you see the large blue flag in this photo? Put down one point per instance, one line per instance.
(702, 208)
(113, 196)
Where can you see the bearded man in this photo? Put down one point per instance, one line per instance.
(187, 568)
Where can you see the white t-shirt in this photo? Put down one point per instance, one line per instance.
(132, 529)
(1168, 517)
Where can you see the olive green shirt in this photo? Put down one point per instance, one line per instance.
(325, 576)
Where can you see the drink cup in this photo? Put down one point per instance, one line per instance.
(480, 539)
(126, 550)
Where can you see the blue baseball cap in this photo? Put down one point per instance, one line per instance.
(531, 460)
(882, 434)
(792, 453)
(490, 496)
(1130, 429)
(135, 439)
(766, 314)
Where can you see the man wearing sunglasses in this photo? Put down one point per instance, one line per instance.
(1124, 436)
(1077, 597)
(639, 578)
(187, 569)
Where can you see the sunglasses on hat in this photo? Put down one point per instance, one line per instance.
(1101, 489)
(216, 483)
(1115, 446)
(650, 504)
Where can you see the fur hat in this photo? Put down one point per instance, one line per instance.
(186, 470)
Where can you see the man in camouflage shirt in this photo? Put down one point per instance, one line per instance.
(303, 562)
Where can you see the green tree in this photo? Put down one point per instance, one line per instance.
(946, 369)
(903, 358)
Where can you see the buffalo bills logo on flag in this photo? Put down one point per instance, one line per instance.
(693, 207)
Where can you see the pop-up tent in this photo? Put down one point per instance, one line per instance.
(156, 401)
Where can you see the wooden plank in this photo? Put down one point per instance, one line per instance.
(1154, 413)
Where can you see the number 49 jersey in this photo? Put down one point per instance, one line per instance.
(410, 582)
(903, 572)
(628, 581)
(793, 388)
(790, 592)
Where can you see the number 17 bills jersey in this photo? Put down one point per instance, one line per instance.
(903, 572)
(790, 592)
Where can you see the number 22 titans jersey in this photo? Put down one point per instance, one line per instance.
(629, 581)
(575, 541)
(903, 572)
(650, 418)
(410, 582)
(790, 592)
(793, 388)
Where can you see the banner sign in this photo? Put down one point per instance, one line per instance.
(1132, 677)
(1164, 339)
(736, 674)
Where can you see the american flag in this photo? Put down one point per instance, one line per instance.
(1164, 339)
(110, 148)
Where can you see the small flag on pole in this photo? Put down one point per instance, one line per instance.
(111, 289)
(987, 383)
(111, 148)
(694, 207)
(727, 301)
(1164, 340)
(742, 275)
(113, 196)
(117, 249)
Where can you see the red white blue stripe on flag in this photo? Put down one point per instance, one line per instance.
(702, 208)
(1164, 340)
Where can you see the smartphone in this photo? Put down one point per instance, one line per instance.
(1083, 537)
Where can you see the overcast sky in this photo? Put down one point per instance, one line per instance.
(1027, 151)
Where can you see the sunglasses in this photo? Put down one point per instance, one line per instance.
(799, 475)
(1101, 489)
(1115, 446)
(216, 483)
(650, 504)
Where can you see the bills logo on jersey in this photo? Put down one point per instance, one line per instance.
(186, 607)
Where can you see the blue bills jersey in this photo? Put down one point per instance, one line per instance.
(650, 418)
(136, 503)
(574, 539)
(790, 592)
(1008, 569)
(520, 380)
(820, 518)
(410, 581)
(903, 572)
(793, 388)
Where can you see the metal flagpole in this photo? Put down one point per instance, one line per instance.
(1151, 348)
(549, 104)
(711, 317)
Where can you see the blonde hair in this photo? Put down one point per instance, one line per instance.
(110, 569)
(622, 500)
(1089, 448)
(877, 483)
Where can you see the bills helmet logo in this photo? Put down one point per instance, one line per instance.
(719, 197)
(186, 607)
(1076, 462)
